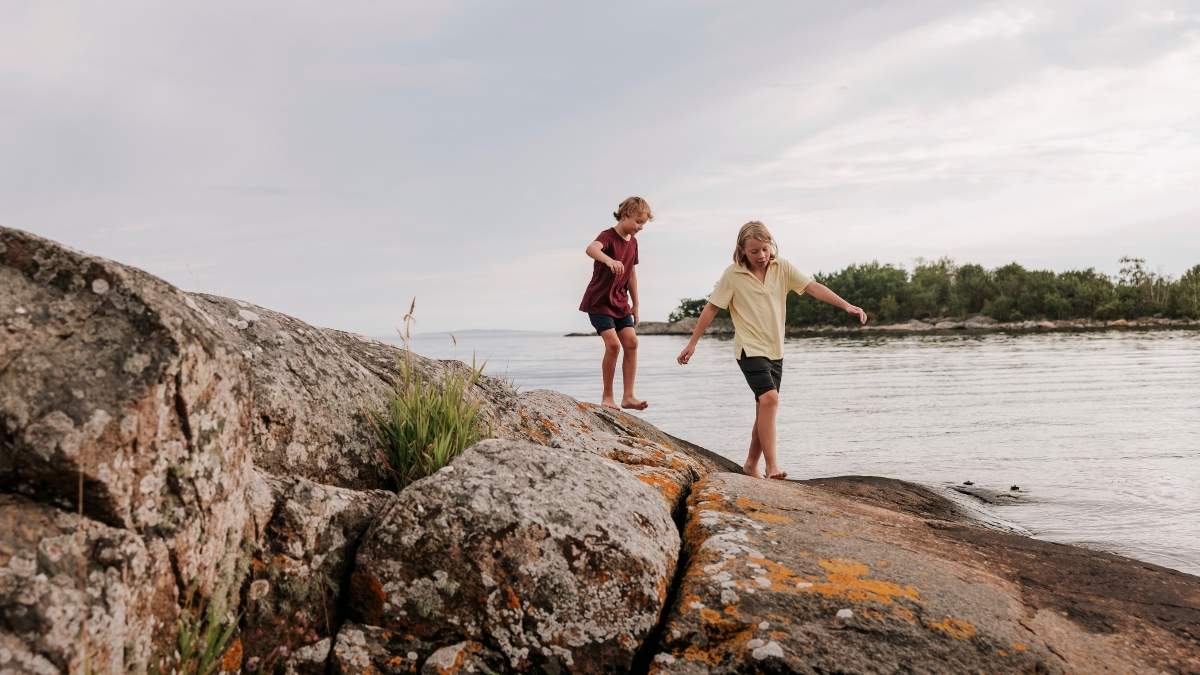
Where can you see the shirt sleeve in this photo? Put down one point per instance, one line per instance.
(796, 280)
(606, 243)
(723, 292)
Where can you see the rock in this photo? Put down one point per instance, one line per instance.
(464, 657)
(53, 565)
(989, 496)
(128, 385)
(301, 567)
(555, 560)
(852, 587)
(979, 322)
(949, 325)
(668, 464)
(309, 660)
(1118, 323)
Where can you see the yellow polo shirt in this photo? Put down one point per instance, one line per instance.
(758, 308)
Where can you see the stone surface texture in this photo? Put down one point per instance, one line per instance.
(558, 562)
(787, 577)
(301, 567)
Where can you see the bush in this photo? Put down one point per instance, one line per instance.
(423, 425)
(688, 307)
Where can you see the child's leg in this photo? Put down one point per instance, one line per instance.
(608, 366)
(764, 424)
(629, 342)
(751, 465)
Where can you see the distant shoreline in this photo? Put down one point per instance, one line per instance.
(973, 325)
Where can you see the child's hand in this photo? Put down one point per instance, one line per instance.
(685, 355)
(616, 267)
(862, 316)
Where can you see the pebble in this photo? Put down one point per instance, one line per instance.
(845, 614)
(772, 648)
(99, 286)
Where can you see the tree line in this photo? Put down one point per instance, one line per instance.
(943, 289)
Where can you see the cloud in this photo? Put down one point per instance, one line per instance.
(334, 162)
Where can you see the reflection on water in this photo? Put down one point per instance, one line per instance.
(1102, 430)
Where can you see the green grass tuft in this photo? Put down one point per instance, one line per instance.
(423, 425)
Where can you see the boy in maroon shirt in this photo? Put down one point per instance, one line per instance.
(608, 295)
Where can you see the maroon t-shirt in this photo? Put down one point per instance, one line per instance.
(607, 293)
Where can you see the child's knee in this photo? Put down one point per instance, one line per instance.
(629, 342)
(769, 399)
(611, 347)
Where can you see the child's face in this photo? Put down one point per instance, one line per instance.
(757, 252)
(633, 223)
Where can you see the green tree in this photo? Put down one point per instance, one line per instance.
(1185, 296)
(688, 307)
(973, 287)
(929, 289)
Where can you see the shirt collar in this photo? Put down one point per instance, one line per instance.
(746, 270)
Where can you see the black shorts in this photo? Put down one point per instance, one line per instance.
(603, 322)
(762, 374)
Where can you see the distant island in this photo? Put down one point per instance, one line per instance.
(941, 290)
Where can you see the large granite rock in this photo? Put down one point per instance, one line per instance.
(557, 561)
(113, 379)
(784, 577)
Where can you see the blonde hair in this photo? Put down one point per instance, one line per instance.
(753, 230)
(633, 206)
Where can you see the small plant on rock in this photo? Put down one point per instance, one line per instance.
(425, 423)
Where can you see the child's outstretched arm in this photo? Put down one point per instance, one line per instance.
(822, 293)
(595, 251)
(706, 316)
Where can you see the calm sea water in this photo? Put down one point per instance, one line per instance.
(1101, 430)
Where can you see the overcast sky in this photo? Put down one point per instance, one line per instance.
(333, 160)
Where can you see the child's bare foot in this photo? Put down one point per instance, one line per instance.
(608, 402)
(751, 470)
(634, 404)
(777, 475)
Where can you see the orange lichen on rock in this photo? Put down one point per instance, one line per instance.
(367, 596)
(847, 579)
(669, 489)
(757, 511)
(955, 628)
(231, 662)
(724, 638)
(1018, 647)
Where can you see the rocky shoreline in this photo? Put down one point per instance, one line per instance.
(972, 325)
(224, 462)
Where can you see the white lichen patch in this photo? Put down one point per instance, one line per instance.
(769, 650)
(100, 286)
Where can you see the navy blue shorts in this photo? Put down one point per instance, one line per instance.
(603, 322)
(762, 374)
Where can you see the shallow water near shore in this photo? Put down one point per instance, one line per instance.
(1101, 431)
